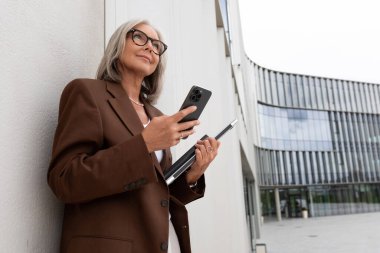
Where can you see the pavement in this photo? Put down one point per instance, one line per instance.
(358, 233)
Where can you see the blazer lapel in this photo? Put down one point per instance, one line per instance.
(124, 108)
(127, 114)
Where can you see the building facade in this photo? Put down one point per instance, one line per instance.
(319, 144)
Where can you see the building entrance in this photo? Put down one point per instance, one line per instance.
(294, 207)
(296, 200)
(292, 201)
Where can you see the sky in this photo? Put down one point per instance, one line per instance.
(329, 38)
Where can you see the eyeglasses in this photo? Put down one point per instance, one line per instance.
(141, 39)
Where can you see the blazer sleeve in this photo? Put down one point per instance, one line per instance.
(80, 170)
(181, 190)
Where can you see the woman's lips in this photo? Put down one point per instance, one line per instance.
(145, 57)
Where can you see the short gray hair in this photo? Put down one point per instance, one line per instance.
(108, 67)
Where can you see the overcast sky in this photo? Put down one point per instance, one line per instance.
(330, 38)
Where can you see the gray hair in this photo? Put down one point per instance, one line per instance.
(108, 67)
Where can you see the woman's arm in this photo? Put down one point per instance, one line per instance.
(80, 170)
(205, 153)
(182, 191)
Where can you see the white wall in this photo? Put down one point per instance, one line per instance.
(196, 56)
(43, 44)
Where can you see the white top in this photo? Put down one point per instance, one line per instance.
(173, 244)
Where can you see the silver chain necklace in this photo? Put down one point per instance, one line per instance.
(137, 103)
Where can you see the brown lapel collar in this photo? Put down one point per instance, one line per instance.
(124, 108)
(127, 114)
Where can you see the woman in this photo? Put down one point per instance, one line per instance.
(111, 148)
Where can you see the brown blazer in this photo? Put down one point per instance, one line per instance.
(116, 199)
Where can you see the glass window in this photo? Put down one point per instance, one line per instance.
(314, 167)
(362, 97)
(294, 129)
(273, 84)
(377, 95)
(372, 96)
(336, 95)
(354, 106)
(281, 92)
(367, 97)
(300, 90)
(329, 167)
(346, 95)
(357, 97)
(288, 173)
(364, 142)
(330, 94)
(262, 85)
(340, 90)
(293, 85)
(312, 93)
(275, 167)
(318, 93)
(267, 87)
(339, 145)
(281, 168)
(347, 128)
(302, 168)
(324, 89)
(309, 177)
(306, 89)
(376, 155)
(257, 82)
(288, 90)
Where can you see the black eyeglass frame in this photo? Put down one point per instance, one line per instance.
(148, 39)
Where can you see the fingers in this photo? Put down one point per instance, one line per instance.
(184, 129)
(183, 113)
(187, 125)
(211, 145)
(185, 134)
(202, 150)
(198, 155)
(205, 153)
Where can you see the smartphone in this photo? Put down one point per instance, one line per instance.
(199, 97)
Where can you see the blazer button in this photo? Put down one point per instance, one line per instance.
(164, 203)
(164, 246)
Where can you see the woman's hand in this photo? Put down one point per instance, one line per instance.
(165, 131)
(205, 153)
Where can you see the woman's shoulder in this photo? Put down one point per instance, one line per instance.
(85, 83)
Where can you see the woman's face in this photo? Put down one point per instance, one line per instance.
(140, 60)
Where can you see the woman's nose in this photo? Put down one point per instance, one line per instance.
(149, 46)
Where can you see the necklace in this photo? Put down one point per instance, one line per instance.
(137, 103)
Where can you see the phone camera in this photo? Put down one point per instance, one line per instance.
(196, 96)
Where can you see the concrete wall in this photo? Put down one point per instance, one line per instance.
(43, 44)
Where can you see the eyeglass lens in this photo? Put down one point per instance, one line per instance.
(141, 39)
